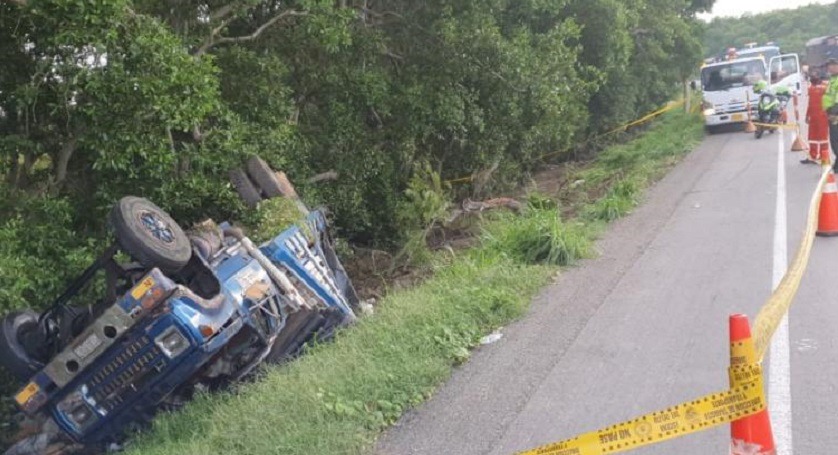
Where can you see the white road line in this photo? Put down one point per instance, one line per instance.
(779, 377)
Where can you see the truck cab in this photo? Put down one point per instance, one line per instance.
(728, 89)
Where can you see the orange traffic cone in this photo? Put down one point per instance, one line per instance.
(751, 435)
(828, 216)
(750, 127)
(798, 145)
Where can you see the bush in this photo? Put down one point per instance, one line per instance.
(41, 249)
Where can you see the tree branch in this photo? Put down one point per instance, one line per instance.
(213, 40)
(64, 160)
(324, 177)
(19, 2)
(222, 12)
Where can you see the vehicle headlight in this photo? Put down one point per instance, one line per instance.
(80, 415)
(709, 111)
(77, 411)
(171, 342)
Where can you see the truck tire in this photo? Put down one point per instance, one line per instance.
(13, 355)
(246, 190)
(264, 177)
(149, 235)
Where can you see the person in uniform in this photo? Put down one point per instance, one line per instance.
(818, 123)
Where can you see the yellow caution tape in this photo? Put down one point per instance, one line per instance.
(460, 180)
(776, 126)
(747, 398)
(645, 118)
(778, 304)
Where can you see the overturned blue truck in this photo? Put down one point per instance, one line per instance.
(186, 311)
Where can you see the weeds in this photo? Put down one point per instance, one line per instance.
(619, 201)
(275, 215)
(538, 237)
(426, 203)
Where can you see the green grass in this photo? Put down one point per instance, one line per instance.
(538, 237)
(341, 395)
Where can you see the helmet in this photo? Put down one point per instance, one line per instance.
(783, 90)
(760, 86)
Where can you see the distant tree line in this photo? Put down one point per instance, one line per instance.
(790, 29)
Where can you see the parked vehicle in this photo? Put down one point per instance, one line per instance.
(189, 310)
(818, 52)
(783, 69)
(727, 87)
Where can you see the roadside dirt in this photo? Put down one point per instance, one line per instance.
(375, 273)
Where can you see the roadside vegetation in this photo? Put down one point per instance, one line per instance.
(104, 98)
(339, 396)
(160, 99)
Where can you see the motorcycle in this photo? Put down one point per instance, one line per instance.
(771, 110)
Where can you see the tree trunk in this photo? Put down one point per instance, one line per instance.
(64, 157)
(687, 97)
(14, 171)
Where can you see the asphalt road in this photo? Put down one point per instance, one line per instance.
(644, 325)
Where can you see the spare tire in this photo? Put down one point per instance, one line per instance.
(246, 190)
(149, 235)
(264, 177)
(13, 355)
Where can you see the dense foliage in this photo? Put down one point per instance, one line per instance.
(790, 29)
(160, 98)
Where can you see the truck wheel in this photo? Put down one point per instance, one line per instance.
(264, 177)
(711, 129)
(149, 235)
(13, 355)
(246, 190)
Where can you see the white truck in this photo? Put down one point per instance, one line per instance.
(727, 88)
(783, 69)
(728, 85)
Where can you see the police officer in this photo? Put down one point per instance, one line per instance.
(830, 105)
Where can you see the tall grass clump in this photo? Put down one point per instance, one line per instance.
(539, 237)
(618, 201)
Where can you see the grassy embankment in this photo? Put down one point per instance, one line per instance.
(338, 397)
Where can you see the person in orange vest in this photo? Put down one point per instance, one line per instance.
(818, 123)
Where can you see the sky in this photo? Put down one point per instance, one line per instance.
(738, 7)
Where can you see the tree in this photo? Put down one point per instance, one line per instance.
(790, 28)
(158, 98)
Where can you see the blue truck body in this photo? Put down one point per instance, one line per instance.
(161, 337)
